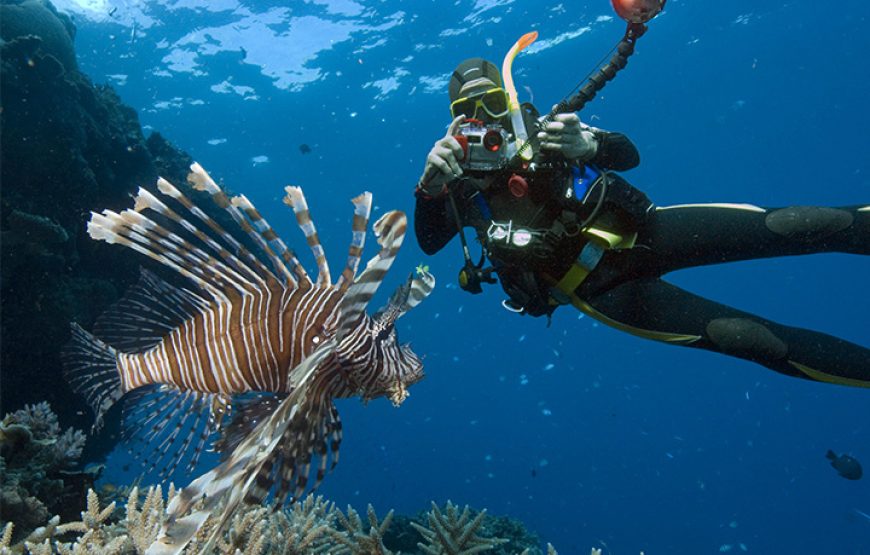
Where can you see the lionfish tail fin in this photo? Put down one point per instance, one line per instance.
(390, 231)
(91, 368)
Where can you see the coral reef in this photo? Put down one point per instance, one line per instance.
(312, 526)
(35, 456)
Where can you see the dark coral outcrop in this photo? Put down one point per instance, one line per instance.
(68, 147)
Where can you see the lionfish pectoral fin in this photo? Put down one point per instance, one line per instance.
(91, 368)
(248, 411)
(166, 545)
(163, 425)
(390, 230)
(222, 489)
(315, 433)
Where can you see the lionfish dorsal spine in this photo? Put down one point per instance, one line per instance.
(296, 200)
(252, 269)
(390, 232)
(201, 181)
(249, 262)
(268, 234)
(362, 209)
(131, 230)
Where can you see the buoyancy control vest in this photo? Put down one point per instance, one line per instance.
(544, 229)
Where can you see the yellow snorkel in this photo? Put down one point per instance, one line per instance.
(513, 101)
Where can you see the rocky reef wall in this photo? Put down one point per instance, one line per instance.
(68, 147)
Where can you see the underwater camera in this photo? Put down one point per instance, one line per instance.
(485, 147)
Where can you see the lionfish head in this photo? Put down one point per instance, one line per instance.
(397, 366)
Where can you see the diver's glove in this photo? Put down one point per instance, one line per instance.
(566, 135)
(442, 163)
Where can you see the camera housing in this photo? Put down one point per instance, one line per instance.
(487, 147)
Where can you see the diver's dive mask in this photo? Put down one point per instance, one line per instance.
(493, 102)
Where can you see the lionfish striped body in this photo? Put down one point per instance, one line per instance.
(254, 323)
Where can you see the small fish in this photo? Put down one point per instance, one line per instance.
(304, 148)
(846, 466)
(253, 348)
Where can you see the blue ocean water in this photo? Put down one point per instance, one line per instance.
(592, 437)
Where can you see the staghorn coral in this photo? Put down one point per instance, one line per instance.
(354, 540)
(303, 530)
(454, 533)
(44, 428)
(143, 523)
(253, 530)
(310, 527)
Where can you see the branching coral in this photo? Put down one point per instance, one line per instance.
(303, 530)
(355, 540)
(454, 533)
(143, 523)
(253, 531)
(311, 527)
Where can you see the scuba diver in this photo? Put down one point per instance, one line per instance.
(560, 227)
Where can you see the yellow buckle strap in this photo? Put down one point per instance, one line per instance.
(589, 257)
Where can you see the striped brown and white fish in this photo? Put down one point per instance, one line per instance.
(253, 338)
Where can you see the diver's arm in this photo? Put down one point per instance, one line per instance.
(615, 151)
(433, 224)
(578, 142)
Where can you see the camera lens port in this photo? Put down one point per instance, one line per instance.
(492, 141)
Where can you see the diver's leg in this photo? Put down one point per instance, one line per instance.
(694, 235)
(655, 309)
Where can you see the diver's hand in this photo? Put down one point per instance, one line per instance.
(565, 134)
(442, 163)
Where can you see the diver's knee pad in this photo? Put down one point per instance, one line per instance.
(746, 339)
(808, 222)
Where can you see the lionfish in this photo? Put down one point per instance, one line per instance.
(254, 350)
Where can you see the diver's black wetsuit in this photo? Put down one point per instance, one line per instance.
(625, 289)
